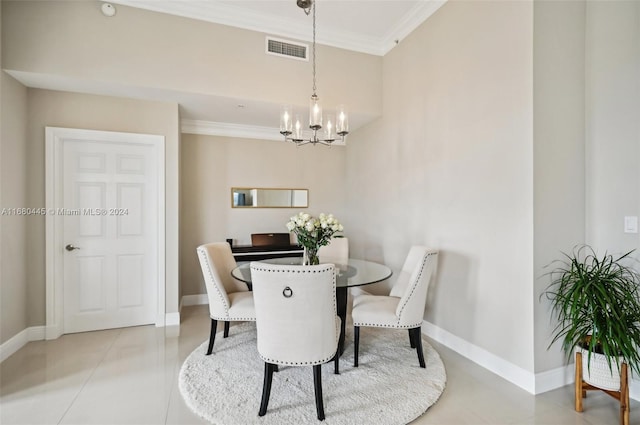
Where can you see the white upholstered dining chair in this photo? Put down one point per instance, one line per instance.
(404, 307)
(336, 252)
(229, 299)
(297, 321)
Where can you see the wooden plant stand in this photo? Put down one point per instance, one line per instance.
(622, 396)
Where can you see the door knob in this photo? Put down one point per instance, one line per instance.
(70, 247)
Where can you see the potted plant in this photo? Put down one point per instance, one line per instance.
(597, 303)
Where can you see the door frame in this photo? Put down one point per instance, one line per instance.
(54, 282)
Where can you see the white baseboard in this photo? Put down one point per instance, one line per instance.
(36, 333)
(197, 299)
(554, 378)
(357, 290)
(52, 332)
(13, 344)
(501, 367)
(533, 383)
(172, 319)
(634, 389)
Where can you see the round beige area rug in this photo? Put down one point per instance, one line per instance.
(387, 388)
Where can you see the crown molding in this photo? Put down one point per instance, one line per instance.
(211, 128)
(241, 131)
(246, 19)
(225, 14)
(411, 20)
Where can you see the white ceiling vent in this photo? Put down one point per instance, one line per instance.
(288, 49)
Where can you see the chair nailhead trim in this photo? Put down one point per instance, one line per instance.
(292, 270)
(309, 363)
(378, 325)
(415, 283)
(234, 319)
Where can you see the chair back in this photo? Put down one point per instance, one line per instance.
(296, 315)
(336, 252)
(412, 288)
(216, 261)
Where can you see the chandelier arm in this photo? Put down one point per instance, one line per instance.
(310, 141)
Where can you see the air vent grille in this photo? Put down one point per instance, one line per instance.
(287, 49)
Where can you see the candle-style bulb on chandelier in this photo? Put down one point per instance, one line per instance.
(322, 132)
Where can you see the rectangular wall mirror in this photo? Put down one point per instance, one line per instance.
(246, 197)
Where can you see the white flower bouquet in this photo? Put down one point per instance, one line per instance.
(312, 232)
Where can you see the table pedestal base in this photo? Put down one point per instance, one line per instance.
(341, 306)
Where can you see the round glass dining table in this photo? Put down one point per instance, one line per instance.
(354, 273)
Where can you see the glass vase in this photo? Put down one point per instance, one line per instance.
(310, 256)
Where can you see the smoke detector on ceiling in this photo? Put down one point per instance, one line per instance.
(108, 9)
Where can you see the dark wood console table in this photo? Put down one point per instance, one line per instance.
(255, 253)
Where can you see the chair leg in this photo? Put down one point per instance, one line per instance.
(411, 341)
(226, 329)
(317, 384)
(624, 395)
(356, 344)
(212, 335)
(336, 362)
(266, 388)
(417, 338)
(579, 392)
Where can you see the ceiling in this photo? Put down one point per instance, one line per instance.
(369, 26)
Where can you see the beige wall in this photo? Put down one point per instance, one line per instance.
(559, 152)
(14, 260)
(212, 165)
(62, 109)
(587, 137)
(13, 171)
(613, 123)
(450, 165)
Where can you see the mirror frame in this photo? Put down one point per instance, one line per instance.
(235, 189)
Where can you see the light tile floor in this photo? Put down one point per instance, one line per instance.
(130, 376)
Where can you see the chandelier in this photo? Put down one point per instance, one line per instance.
(324, 133)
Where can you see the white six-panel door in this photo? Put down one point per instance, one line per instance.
(107, 248)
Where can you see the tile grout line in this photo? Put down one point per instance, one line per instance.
(84, 384)
(173, 388)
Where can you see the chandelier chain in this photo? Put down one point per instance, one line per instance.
(314, 47)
